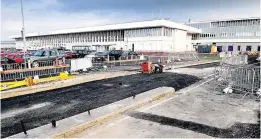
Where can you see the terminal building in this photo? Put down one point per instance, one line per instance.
(154, 36)
(8, 45)
(229, 35)
(144, 37)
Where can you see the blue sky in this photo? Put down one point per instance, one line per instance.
(48, 15)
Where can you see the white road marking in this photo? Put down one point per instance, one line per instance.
(208, 76)
(198, 85)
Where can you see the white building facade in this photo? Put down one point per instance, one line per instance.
(144, 37)
(8, 45)
(229, 35)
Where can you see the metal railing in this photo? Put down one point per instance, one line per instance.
(20, 75)
(238, 77)
(235, 60)
(16, 66)
(122, 61)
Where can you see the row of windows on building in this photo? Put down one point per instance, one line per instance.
(232, 23)
(102, 36)
(158, 31)
(226, 34)
(248, 22)
(238, 48)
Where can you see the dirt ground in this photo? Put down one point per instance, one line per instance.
(41, 108)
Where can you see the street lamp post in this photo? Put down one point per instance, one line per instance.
(23, 31)
(127, 35)
(149, 35)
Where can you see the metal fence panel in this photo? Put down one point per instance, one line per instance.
(238, 77)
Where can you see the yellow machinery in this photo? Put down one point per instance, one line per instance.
(213, 49)
(29, 81)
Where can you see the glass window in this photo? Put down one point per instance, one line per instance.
(239, 48)
(230, 48)
(53, 53)
(248, 48)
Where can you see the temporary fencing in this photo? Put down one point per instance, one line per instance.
(29, 81)
(238, 77)
(22, 74)
(235, 60)
(16, 66)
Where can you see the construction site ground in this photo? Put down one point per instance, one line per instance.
(197, 111)
(194, 111)
(37, 109)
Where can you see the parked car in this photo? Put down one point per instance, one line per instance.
(10, 55)
(68, 55)
(45, 55)
(116, 54)
(82, 50)
(128, 54)
(96, 56)
(16, 58)
(75, 54)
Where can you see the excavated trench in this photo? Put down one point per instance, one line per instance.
(43, 107)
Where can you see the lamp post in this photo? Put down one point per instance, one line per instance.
(127, 35)
(149, 35)
(23, 31)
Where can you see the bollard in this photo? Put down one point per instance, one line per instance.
(29, 64)
(23, 127)
(133, 96)
(120, 83)
(108, 58)
(53, 123)
(89, 110)
(29, 81)
(56, 61)
(63, 63)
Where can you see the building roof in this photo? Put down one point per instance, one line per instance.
(7, 42)
(132, 25)
(234, 19)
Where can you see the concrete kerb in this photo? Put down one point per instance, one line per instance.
(70, 126)
(80, 128)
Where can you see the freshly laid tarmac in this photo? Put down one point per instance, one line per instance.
(37, 109)
(40, 108)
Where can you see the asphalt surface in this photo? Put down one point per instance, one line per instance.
(41, 108)
(193, 112)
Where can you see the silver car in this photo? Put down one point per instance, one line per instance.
(44, 55)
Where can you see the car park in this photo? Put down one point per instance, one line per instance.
(82, 51)
(116, 54)
(68, 55)
(128, 54)
(44, 55)
(96, 56)
(17, 58)
(75, 54)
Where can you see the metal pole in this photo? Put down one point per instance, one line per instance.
(23, 32)
(127, 40)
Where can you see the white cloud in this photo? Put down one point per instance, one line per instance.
(41, 16)
(38, 19)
